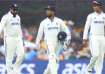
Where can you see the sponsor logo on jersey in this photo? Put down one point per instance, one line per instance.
(15, 23)
(99, 22)
(50, 28)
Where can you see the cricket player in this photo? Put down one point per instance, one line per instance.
(95, 32)
(11, 26)
(49, 29)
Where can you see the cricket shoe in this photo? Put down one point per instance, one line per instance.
(15, 71)
(89, 72)
(11, 72)
(47, 71)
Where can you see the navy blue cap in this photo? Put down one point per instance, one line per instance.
(49, 7)
(97, 3)
(14, 7)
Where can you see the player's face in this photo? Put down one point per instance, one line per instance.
(14, 12)
(49, 13)
(96, 8)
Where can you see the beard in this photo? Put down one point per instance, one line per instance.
(49, 15)
(14, 14)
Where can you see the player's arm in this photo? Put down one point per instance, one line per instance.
(2, 23)
(66, 29)
(20, 30)
(20, 24)
(39, 35)
(86, 30)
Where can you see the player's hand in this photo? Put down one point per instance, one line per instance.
(67, 44)
(85, 43)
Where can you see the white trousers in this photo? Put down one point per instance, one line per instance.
(97, 48)
(52, 67)
(14, 45)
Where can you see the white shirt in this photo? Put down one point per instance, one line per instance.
(11, 25)
(96, 24)
(50, 29)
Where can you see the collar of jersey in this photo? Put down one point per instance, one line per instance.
(50, 20)
(99, 14)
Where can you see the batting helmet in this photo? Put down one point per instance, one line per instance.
(62, 36)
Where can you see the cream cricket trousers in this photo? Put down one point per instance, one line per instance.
(97, 48)
(52, 67)
(14, 45)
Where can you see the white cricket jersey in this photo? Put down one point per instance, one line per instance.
(95, 24)
(50, 29)
(11, 25)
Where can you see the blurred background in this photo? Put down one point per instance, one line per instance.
(73, 12)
